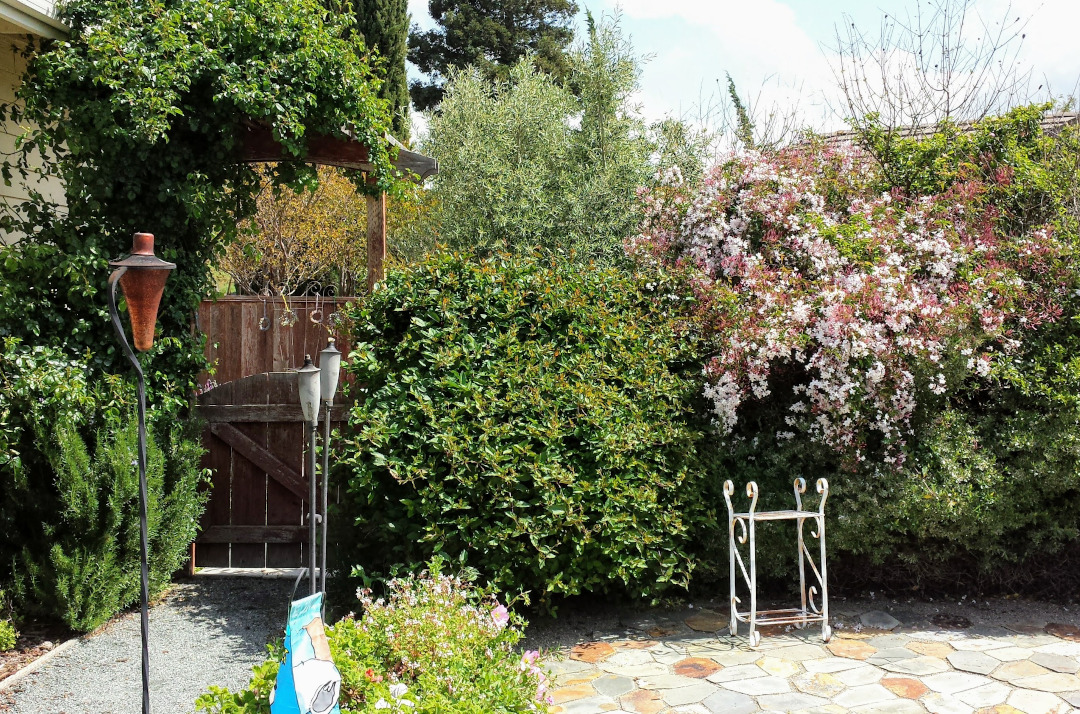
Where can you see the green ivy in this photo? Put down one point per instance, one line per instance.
(139, 113)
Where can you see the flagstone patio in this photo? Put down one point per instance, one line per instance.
(875, 663)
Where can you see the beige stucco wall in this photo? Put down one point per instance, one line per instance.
(17, 20)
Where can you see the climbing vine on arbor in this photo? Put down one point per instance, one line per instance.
(139, 114)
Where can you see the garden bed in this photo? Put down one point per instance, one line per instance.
(35, 640)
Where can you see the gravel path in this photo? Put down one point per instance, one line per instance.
(206, 631)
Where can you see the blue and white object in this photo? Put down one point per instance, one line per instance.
(307, 682)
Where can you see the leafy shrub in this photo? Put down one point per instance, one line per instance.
(8, 634)
(541, 417)
(438, 644)
(915, 344)
(69, 502)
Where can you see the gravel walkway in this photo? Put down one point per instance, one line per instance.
(206, 631)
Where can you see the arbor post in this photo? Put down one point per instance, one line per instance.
(376, 240)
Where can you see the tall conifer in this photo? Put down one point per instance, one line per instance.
(491, 35)
(384, 25)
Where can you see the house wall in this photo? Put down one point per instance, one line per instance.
(12, 65)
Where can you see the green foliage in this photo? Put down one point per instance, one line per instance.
(140, 114)
(8, 633)
(255, 699)
(447, 643)
(541, 417)
(384, 26)
(1034, 176)
(744, 125)
(516, 174)
(491, 37)
(993, 477)
(69, 490)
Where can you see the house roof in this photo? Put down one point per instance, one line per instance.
(1051, 124)
(36, 17)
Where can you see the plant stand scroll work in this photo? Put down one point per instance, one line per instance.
(746, 523)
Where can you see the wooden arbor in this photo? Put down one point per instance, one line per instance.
(259, 146)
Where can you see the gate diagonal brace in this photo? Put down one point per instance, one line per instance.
(248, 448)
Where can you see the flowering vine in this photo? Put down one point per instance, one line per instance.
(871, 299)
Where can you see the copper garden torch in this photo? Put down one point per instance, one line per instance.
(141, 277)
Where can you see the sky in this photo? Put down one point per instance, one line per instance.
(781, 53)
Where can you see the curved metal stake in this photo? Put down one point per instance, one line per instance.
(114, 279)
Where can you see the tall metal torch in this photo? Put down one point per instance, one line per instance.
(141, 277)
(330, 366)
(309, 402)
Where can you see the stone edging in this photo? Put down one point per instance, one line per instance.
(36, 664)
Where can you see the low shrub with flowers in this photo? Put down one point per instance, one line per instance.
(435, 644)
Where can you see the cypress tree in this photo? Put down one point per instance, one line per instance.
(491, 35)
(384, 25)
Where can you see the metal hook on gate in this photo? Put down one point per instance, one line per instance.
(264, 321)
(316, 315)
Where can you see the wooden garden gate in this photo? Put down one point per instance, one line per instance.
(255, 442)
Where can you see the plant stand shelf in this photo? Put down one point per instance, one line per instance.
(809, 613)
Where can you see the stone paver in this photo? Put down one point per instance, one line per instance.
(759, 685)
(975, 662)
(879, 620)
(920, 666)
(730, 703)
(1018, 670)
(740, 671)
(1058, 663)
(866, 694)
(860, 676)
(690, 695)
(905, 687)
(1031, 702)
(878, 665)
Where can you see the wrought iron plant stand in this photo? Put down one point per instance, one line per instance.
(746, 522)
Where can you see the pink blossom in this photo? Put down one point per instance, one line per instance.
(800, 263)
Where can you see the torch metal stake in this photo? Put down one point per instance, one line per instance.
(114, 279)
(325, 496)
(313, 427)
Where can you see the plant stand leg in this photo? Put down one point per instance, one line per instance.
(802, 573)
(826, 629)
(755, 636)
(733, 622)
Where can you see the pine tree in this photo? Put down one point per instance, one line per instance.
(384, 25)
(491, 35)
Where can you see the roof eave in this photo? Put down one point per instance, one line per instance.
(33, 20)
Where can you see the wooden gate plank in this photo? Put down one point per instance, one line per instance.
(260, 457)
(249, 478)
(252, 534)
(285, 440)
(218, 459)
(285, 412)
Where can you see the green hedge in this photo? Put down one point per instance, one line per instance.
(541, 418)
(69, 489)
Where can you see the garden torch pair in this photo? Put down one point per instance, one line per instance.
(318, 384)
